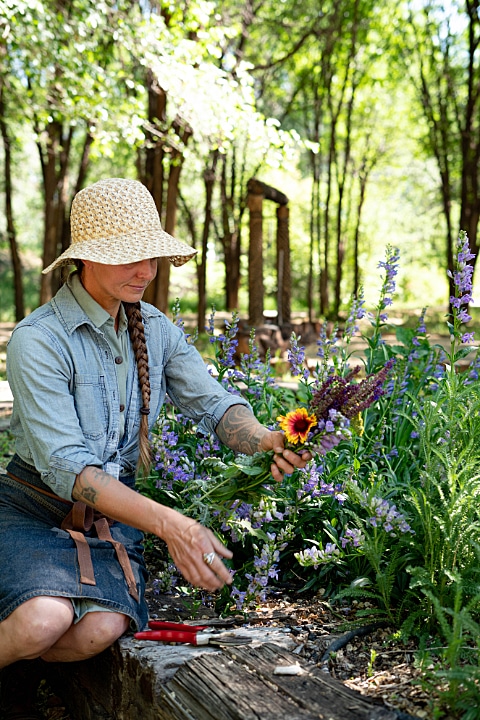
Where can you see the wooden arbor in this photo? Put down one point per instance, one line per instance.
(257, 192)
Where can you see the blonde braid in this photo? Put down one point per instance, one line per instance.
(136, 331)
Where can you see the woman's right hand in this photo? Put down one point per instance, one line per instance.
(188, 542)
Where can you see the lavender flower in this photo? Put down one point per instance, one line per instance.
(177, 320)
(473, 370)
(210, 328)
(384, 515)
(265, 565)
(352, 536)
(313, 484)
(228, 342)
(296, 358)
(257, 375)
(462, 281)
(325, 350)
(390, 265)
(356, 312)
(316, 555)
(420, 332)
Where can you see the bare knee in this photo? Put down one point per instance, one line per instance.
(89, 637)
(37, 624)
(102, 629)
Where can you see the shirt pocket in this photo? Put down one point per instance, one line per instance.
(91, 405)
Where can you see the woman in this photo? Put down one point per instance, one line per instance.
(89, 372)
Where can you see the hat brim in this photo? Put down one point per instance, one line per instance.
(125, 249)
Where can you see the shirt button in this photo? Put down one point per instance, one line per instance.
(122, 408)
(118, 360)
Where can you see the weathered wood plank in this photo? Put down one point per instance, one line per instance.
(216, 688)
(130, 681)
(240, 684)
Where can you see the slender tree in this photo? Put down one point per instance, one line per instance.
(11, 230)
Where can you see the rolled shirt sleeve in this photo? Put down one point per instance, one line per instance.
(192, 389)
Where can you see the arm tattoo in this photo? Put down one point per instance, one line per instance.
(240, 430)
(85, 490)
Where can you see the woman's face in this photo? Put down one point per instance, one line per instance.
(110, 285)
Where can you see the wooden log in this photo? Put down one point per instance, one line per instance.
(216, 688)
(240, 684)
(314, 689)
(138, 679)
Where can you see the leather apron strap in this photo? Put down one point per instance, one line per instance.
(103, 532)
(79, 520)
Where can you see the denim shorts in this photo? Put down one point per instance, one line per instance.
(38, 558)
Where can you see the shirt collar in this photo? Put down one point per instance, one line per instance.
(97, 314)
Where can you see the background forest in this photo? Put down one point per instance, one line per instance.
(363, 113)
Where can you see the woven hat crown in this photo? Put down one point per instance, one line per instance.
(112, 208)
(116, 222)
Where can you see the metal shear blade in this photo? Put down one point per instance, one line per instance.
(229, 639)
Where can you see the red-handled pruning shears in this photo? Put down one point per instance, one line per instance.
(192, 634)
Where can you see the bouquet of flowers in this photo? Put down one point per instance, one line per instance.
(333, 414)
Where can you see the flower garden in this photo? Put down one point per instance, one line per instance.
(387, 510)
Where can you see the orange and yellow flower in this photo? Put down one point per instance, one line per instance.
(296, 425)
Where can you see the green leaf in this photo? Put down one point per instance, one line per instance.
(251, 470)
(463, 352)
(255, 532)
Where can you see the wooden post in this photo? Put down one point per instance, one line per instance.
(257, 192)
(284, 289)
(255, 261)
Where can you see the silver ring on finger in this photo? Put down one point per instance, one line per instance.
(208, 558)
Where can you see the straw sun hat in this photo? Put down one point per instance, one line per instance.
(116, 222)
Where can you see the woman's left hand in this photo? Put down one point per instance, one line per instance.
(284, 461)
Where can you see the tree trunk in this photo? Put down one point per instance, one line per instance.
(255, 261)
(11, 233)
(356, 240)
(470, 144)
(81, 176)
(209, 179)
(159, 288)
(230, 237)
(154, 150)
(325, 266)
(54, 159)
(153, 173)
(315, 229)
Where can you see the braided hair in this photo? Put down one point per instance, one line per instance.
(136, 331)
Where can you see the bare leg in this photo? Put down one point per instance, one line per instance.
(43, 627)
(33, 628)
(95, 632)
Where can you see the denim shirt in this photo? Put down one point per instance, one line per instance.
(66, 400)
